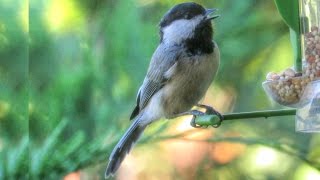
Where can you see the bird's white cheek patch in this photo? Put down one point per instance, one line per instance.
(181, 29)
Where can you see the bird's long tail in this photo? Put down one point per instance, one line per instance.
(124, 146)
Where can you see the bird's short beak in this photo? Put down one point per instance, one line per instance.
(209, 12)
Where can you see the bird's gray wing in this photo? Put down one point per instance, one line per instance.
(160, 70)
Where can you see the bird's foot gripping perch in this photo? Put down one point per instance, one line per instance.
(211, 111)
(195, 114)
(210, 117)
(198, 119)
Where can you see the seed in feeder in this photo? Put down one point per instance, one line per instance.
(289, 72)
(311, 59)
(314, 29)
(275, 77)
(309, 35)
(314, 32)
(282, 91)
(295, 80)
(311, 39)
(298, 91)
(291, 86)
(311, 77)
(290, 91)
(307, 80)
(280, 83)
(270, 76)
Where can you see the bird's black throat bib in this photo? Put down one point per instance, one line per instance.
(201, 42)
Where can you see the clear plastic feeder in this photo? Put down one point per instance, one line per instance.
(308, 115)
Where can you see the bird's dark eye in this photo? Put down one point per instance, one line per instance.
(187, 16)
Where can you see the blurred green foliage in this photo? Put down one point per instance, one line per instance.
(70, 72)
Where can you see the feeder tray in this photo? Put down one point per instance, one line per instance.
(286, 92)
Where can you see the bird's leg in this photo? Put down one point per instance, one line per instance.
(194, 114)
(210, 110)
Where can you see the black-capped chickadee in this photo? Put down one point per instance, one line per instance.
(180, 72)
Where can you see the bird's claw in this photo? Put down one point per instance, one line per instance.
(193, 122)
(196, 113)
(210, 111)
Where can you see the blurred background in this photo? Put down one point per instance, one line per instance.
(70, 70)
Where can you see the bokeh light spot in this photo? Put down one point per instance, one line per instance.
(63, 15)
(265, 157)
(24, 16)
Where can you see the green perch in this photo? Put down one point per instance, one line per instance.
(213, 120)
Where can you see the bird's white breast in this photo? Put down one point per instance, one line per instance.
(189, 82)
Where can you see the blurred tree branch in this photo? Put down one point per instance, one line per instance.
(285, 147)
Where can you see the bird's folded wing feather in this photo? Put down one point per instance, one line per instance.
(160, 71)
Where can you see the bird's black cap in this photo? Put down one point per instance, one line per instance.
(182, 11)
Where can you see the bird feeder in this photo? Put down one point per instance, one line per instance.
(297, 87)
